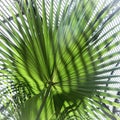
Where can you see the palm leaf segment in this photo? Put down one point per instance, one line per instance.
(64, 54)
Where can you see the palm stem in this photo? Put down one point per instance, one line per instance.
(44, 101)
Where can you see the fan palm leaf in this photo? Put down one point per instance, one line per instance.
(57, 62)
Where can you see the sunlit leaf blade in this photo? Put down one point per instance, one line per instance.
(58, 61)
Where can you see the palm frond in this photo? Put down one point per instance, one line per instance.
(60, 61)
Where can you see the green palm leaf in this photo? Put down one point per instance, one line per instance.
(57, 62)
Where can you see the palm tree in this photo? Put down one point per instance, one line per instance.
(58, 60)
